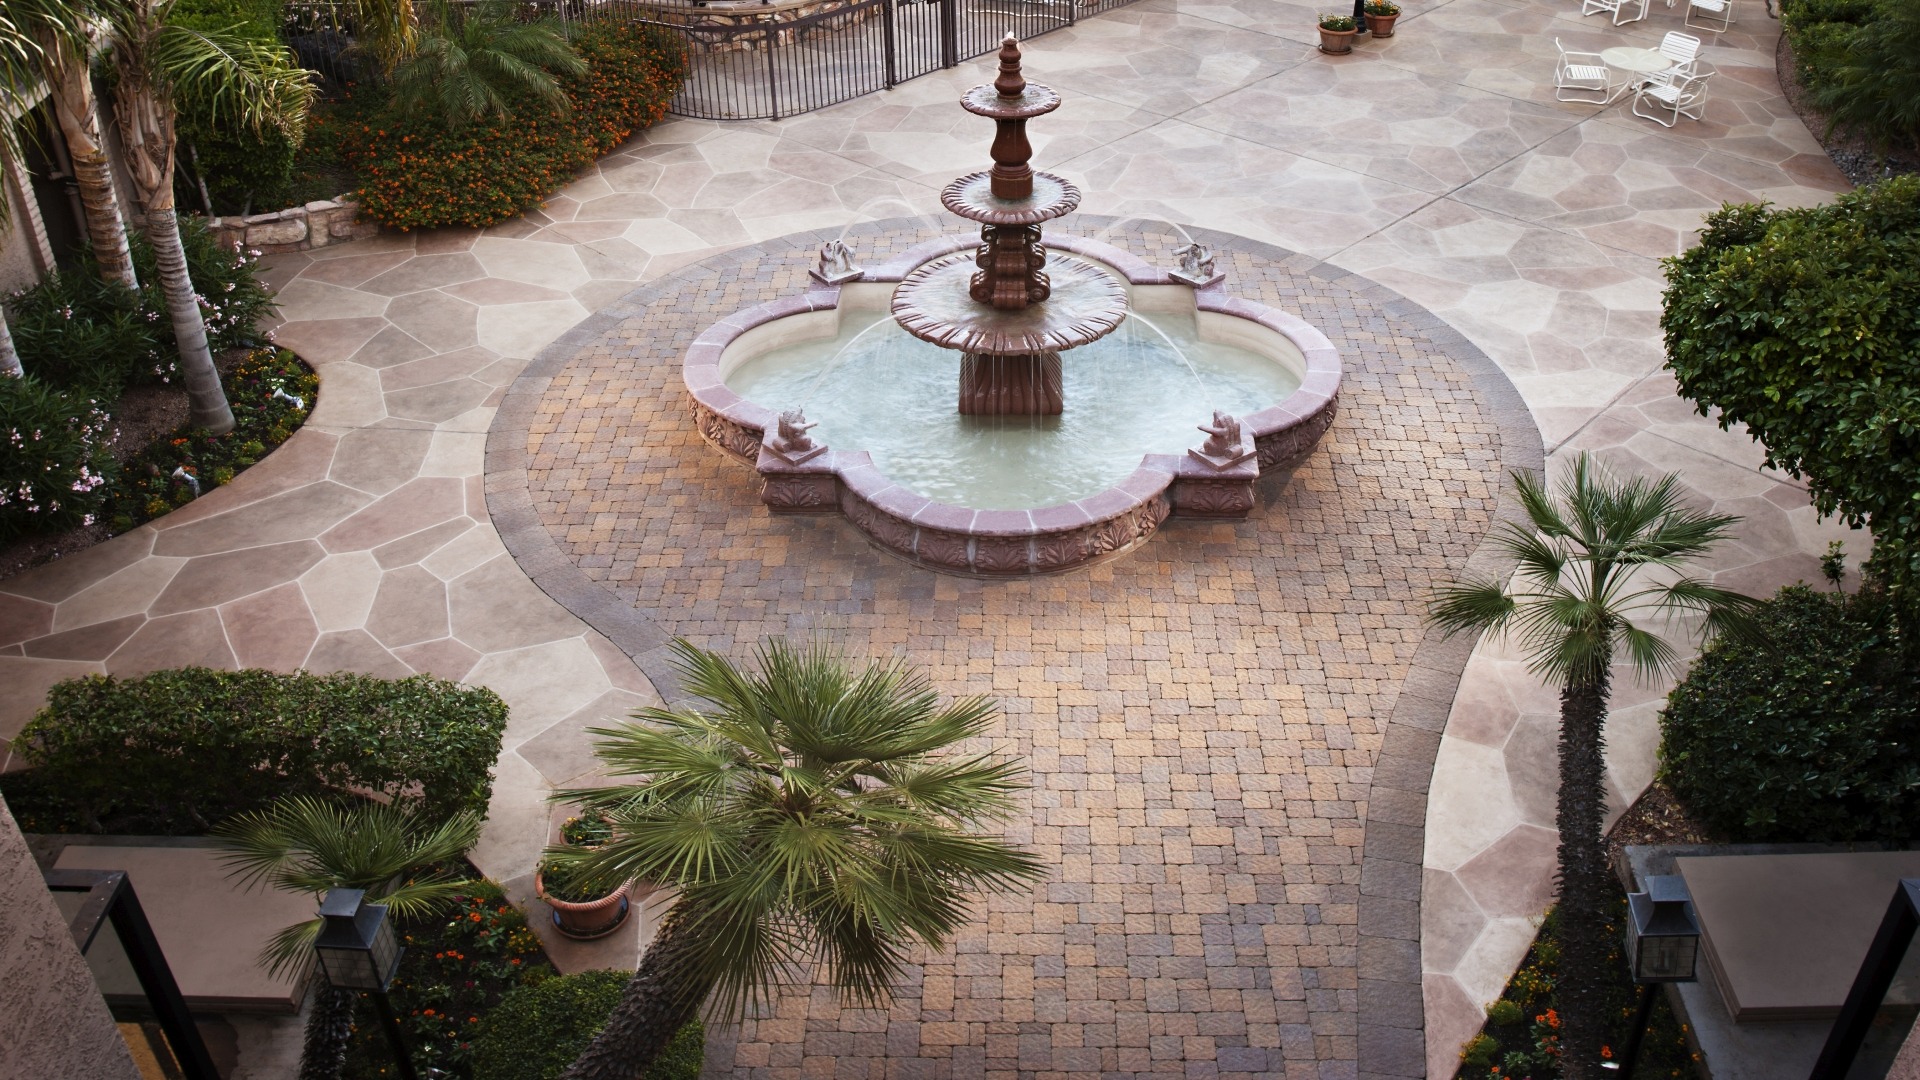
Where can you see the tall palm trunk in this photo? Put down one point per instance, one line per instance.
(657, 1002)
(74, 106)
(9, 356)
(146, 127)
(329, 1034)
(1585, 882)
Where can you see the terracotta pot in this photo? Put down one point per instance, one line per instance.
(1381, 25)
(1337, 41)
(595, 918)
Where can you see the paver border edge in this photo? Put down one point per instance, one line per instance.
(1391, 1043)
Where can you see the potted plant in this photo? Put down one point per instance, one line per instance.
(1336, 33)
(1380, 17)
(579, 911)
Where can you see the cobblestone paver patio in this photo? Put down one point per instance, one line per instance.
(1435, 163)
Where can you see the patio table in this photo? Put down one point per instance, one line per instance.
(1633, 61)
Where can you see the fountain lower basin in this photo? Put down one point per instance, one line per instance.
(981, 526)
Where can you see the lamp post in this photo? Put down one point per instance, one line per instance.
(1663, 946)
(357, 951)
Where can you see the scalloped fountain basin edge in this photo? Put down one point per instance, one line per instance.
(1004, 543)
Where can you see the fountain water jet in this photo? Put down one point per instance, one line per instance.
(1027, 317)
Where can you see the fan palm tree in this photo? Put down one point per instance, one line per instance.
(62, 33)
(813, 814)
(476, 61)
(20, 58)
(160, 66)
(308, 845)
(1571, 605)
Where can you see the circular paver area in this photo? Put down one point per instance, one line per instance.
(1230, 729)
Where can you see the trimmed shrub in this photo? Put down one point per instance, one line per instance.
(177, 751)
(54, 468)
(418, 174)
(536, 1031)
(1814, 739)
(1803, 325)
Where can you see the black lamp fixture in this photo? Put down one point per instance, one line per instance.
(357, 951)
(1663, 946)
(1663, 936)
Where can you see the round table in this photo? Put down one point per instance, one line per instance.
(1634, 61)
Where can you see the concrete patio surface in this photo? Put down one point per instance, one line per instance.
(1435, 163)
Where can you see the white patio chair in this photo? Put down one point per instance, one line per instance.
(1678, 96)
(1601, 7)
(1581, 73)
(1707, 11)
(1683, 50)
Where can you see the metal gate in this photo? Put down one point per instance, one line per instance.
(746, 65)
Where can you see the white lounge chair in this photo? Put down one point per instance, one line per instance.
(1706, 11)
(1581, 73)
(1672, 98)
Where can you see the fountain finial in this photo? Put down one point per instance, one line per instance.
(1010, 84)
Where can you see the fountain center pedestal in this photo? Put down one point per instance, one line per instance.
(1011, 309)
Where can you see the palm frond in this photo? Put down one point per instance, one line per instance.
(233, 78)
(1471, 607)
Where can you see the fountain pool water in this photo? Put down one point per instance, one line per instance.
(1128, 394)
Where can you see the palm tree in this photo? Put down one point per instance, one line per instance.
(475, 61)
(161, 66)
(813, 814)
(308, 845)
(19, 71)
(62, 61)
(1571, 605)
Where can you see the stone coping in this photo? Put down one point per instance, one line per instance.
(1042, 540)
(1389, 1028)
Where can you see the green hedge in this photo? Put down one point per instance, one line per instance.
(1816, 738)
(536, 1031)
(418, 174)
(1803, 326)
(177, 751)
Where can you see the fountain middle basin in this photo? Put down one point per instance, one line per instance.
(1010, 495)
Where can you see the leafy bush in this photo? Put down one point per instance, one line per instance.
(1813, 739)
(1860, 62)
(537, 1031)
(418, 174)
(55, 467)
(1821, 31)
(76, 331)
(1804, 326)
(154, 481)
(179, 750)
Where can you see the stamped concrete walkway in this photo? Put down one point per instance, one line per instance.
(1436, 163)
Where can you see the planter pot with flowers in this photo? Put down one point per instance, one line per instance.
(579, 912)
(1336, 33)
(1381, 15)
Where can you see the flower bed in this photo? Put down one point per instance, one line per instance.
(1521, 1040)
(420, 173)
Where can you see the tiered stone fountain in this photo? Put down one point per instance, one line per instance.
(1035, 468)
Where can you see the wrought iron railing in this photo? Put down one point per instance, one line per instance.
(761, 62)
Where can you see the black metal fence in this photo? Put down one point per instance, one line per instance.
(761, 62)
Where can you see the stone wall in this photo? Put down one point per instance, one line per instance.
(300, 228)
(56, 1021)
(725, 26)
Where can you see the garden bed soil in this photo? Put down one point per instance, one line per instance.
(1656, 817)
(1852, 154)
(143, 416)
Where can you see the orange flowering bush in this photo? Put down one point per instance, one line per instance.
(417, 174)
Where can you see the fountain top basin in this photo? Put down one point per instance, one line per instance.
(1086, 305)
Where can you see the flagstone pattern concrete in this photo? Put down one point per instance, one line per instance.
(1435, 163)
